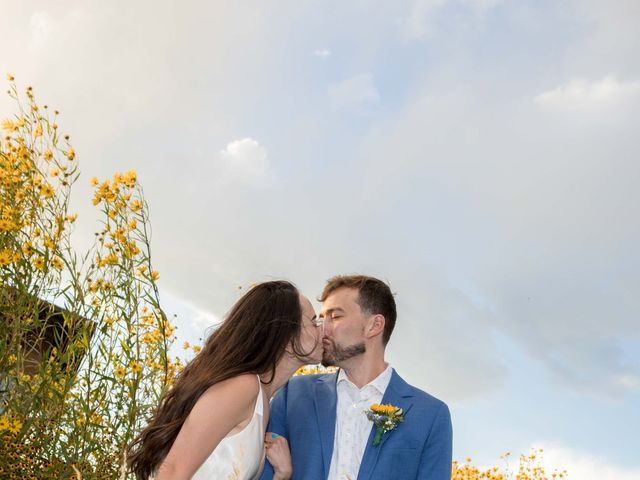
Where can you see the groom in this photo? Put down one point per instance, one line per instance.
(323, 416)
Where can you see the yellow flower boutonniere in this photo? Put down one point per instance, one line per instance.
(385, 418)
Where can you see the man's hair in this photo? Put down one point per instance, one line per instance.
(374, 297)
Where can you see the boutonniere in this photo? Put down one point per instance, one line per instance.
(385, 418)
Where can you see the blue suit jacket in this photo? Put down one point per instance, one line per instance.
(304, 412)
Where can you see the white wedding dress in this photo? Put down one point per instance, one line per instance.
(239, 456)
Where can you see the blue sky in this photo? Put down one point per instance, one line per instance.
(480, 155)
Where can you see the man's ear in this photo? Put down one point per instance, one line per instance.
(376, 326)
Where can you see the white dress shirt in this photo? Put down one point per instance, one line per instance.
(352, 425)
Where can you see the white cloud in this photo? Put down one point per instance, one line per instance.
(41, 27)
(422, 23)
(322, 53)
(581, 465)
(355, 93)
(246, 158)
(585, 94)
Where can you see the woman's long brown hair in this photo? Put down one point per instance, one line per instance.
(252, 339)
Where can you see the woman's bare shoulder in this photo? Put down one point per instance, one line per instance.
(242, 389)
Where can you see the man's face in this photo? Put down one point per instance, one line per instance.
(344, 326)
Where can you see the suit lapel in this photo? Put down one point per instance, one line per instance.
(325, 400)
(399, 394)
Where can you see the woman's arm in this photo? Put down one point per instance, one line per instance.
(219, 410)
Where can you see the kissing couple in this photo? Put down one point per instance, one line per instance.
(236, 403)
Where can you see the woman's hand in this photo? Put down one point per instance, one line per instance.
(277, 452)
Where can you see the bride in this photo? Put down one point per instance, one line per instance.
(211, 424)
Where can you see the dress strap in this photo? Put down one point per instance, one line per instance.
(259, 402)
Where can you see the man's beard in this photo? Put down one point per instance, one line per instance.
(340, 354)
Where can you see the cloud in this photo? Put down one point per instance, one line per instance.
(357, 93)
(579, 94)
(41, 27)
(582, 465)
(539, 226)
(322, 53)
(422, 21)
(244, 158)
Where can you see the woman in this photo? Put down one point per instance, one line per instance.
(211, 424)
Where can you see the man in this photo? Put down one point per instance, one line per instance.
(323, 416)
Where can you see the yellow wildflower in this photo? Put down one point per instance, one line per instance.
(197, 348)
(4, 423)
(136, 367)
(57, 263)
(72, 218)
(135, 205)
(10, 77)
(155, 275)
(7, 225)
(46, 191)
(9, 125)
(6, 257)
(38, 131)
(71, 154)
(54, 172)
(48, 155)
(129, 178)
(120, 372)
(133, 224)
(48, 242)
(16, 426)
(186, 345)
(39, 263)
(94, 181)
(27, 248)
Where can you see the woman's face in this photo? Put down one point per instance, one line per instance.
(310, 333)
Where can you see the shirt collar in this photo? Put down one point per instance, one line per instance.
(380, 383)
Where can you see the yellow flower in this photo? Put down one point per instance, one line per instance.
(39, 263)
(46, 191)
(133, 224)
(54, 172)
(57, 263)
(10, 77)
(16, 426)
(136, 367)
(197, 348)
(120, 372)
(7, 225)
(155, 275)
(4, 423)
(72, 218)
(383, 409)
(38, 131)
(71, 154)
(48, 242)
(135, 205)
(129, 178)
(9, 125)
(186, 345)
(48, 155)
(6, 257)
(94, 181)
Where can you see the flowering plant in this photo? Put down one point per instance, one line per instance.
(385, 418)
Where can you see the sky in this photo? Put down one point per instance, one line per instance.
(479, 155)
